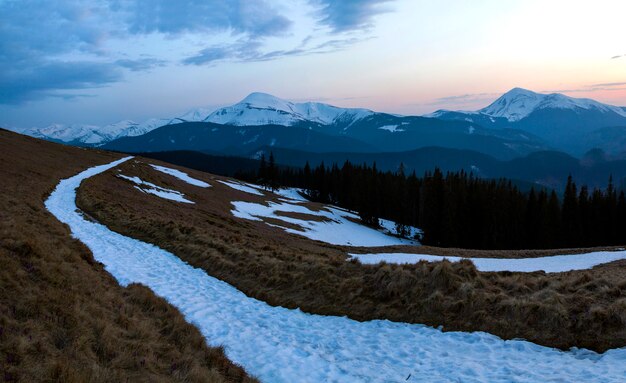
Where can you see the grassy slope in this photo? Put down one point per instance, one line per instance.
(584, 309)
(62, 316)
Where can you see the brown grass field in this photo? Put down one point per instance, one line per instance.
(582, 308)
(63, 318)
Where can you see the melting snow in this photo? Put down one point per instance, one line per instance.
(181, 176)
(158, 191)
(335, 228)
(246, 188)
(551, 264)
(390, 227)
(291, 194)
(282, 345)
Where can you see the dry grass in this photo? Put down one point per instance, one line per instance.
(478, 253)
(62, 316)
(583, 309)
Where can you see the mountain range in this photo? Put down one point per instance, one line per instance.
(264, 120)
(516, 124)
(551, 134)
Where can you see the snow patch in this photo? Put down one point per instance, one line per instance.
(551, 264)
(181, 176)
(391, 128)
(150, 188)
(291, 194)
(390, 227)
(246, 188)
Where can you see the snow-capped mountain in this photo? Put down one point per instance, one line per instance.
(265, 109)
(519, 103)
(255, 109)
(194, 115)
(92, 135)
(66, 133)
(566, 123)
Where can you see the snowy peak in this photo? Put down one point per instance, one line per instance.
(194, 115)
(263, 109)
(267, 101)
(514, 105)
(518, 103)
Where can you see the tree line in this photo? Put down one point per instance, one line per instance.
(458, 209)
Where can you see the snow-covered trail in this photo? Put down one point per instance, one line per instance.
(550, 264)
(281, 345)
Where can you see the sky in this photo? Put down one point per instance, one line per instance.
(102, 61)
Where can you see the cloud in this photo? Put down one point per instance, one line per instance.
(39, 39)
(463, 99)
(610, 84)
(253, 17)
(617, 57)
(140, 65)
(61, 45)
(44, 79)
(347, 15)
(251, 51)
(44, 48)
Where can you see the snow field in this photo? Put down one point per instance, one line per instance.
(336, 228)
(281, 345)
(551, 264)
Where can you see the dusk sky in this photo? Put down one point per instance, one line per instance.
(98, 62)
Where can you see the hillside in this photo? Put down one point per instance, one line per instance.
(259, 273)
(292, 253)
(63, 317)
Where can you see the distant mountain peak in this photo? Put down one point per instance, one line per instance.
(262, 109)
(262, 98)
(518, 103)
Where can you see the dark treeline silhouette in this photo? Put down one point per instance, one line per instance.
(458, 209)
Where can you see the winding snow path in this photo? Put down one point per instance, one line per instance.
(281, 345)
(551, 264)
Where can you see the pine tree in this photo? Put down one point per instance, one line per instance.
(272, 173)
(262, 178)
(570, 214)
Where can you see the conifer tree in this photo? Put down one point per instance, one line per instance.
(262, 178)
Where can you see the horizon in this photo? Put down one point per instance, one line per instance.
(101, 62)
(209, 110)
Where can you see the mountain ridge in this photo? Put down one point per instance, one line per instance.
(517, 123)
